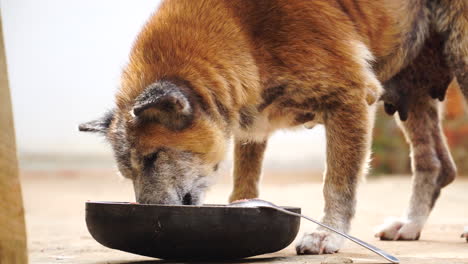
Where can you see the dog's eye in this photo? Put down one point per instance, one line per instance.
(149, 160)
(216, 167)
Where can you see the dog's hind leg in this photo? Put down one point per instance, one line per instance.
(450, 18)
(432, 167)
(432, 164)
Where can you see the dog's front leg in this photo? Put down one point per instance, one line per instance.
(348, 131)
(248, 158)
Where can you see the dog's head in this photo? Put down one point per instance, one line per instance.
(164, 142)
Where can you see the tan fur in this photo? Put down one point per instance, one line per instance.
(223, 59)
(200, 138)
(247, 168)
(249, 68)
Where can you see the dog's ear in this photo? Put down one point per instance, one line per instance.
(100, 125)
(165, 103)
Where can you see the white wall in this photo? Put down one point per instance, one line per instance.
(65, 58)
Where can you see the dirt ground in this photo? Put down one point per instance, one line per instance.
(54, 205)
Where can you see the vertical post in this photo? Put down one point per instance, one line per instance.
(12, 226)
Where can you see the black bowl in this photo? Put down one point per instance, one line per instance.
(209, 232)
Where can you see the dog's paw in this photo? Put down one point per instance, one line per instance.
(319, 242)
(399, 229)
(465, 233)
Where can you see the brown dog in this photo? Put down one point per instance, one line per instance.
(203, 72)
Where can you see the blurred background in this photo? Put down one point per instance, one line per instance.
(64, 60)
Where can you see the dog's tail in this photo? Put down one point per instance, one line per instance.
(450, 19)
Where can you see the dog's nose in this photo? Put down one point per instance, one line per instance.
(187, 199)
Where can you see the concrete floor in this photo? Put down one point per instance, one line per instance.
(54, 204)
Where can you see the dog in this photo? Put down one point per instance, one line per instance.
(204, 72)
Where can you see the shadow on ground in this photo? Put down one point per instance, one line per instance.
(288, 259)
(238, 261)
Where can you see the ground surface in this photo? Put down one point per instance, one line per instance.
(54, 204)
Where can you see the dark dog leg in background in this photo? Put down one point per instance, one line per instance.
(432, 167)
(432, 164)
(453, 22)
